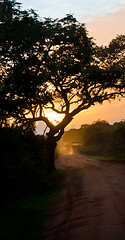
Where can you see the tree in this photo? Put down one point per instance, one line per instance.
(64, 72)
(20, 32)
(113, 55)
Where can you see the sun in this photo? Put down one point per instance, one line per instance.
(54, 117)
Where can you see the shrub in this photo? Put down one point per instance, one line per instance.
(23, 164)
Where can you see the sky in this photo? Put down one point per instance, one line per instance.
(83, 9)
(104, 19)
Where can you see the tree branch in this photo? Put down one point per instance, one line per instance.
(41, 118)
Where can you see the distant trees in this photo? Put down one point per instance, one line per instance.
(96, 137)
(52, 64)
(117, 141)
(99, 138)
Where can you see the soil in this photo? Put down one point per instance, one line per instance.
(91, 204)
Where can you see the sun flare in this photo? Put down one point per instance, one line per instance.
(53, 117)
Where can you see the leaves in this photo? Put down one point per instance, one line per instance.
(53, 64)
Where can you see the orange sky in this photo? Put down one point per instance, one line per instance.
(103, 29)
(111, 112)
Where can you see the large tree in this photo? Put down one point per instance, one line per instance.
(64, 71)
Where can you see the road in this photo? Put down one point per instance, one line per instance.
(91, 204)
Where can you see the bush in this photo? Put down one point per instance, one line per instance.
(23, 164)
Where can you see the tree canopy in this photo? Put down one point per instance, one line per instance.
(53, 64)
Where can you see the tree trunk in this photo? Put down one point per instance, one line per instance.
(51, 146)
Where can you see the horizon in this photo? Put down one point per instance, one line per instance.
(98, 120)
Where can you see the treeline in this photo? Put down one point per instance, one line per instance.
(99, 138)
(23, 163)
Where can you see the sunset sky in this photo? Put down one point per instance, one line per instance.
(104, 20)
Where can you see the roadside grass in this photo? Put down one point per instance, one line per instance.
(24, 219)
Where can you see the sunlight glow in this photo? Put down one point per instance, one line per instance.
(53, 117)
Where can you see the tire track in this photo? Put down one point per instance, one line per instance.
(91, 203)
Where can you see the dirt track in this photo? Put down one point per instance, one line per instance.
(91, 205)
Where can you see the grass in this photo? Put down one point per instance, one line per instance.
(24, 219)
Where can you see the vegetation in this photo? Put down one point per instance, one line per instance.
(27, 186)
(24, 218)
(48, 64)
(54, 65)
(23, 164)
(99, 139)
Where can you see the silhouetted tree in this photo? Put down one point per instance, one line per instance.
(62, 71)
(113, 55)
(20, 32)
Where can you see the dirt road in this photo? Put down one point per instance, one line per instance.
(91, 205)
